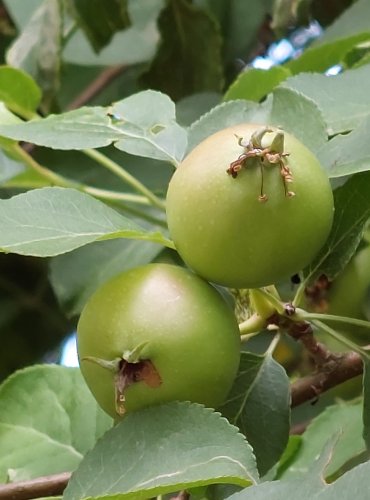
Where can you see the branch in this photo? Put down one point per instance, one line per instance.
(332, 368)
(302, 332)
(182, 495)
(35, 488)
(334, 372)
(320, 354)
(96, 86)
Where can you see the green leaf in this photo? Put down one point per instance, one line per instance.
(353, 484)
(37, 49)
(347, 154)
(192, 107)
(290, 452)
(343, 419)
(99, 20)
(365, 59)
(21, 12)
(81, 168)
(26, 179)
(253, 84)
(75, 276)
(136, 128)
(225, 115)
(259, 404)
(366, 405)
(343, 99)
(352, 211)
(87, 127)
(133, 45)
(300, 116)
(18, 90)
(309, 485)
(357, 56)
(279, 490)
(50, 221)
(7, 117)
(189, 56)
(147, 133)
(322, 57)
(240, 22)
(51, 498)
(164, 449)
(9, 168)
(286, 108)
(353, 20)
(48, 421)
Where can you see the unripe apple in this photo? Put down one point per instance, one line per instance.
(154, 334)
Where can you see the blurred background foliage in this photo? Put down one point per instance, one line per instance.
(90, 52)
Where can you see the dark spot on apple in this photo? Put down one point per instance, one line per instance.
(130, 373)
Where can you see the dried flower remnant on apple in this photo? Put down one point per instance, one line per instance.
(128, 370)
(266, 156)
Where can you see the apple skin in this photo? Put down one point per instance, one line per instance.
(225, 234)
(347, 297)
(347, 294)
(187, 330)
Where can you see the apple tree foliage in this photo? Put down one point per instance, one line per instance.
(99, 103)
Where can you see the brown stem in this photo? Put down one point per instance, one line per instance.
(302, 331)
(334, 372)
(318, 351)
(332, 368)
(182, 495)
(35, 488)
(96, 86)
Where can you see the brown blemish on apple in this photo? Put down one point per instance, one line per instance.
(130, 373)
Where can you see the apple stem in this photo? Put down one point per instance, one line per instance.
(251, 326)
(332, 317)
(274, 342)
(300, 293)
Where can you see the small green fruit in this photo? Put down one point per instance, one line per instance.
(347, 294)
(155, 334)
(249, 206)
